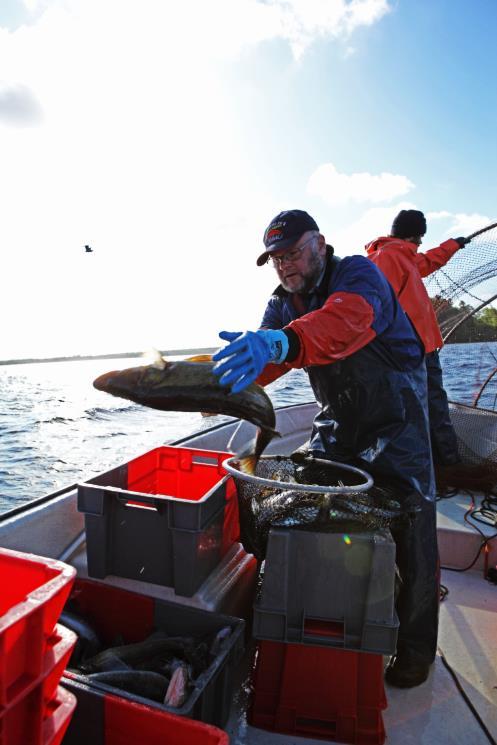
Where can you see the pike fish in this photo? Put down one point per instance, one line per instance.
(144, 683)
(191, 385)
(140, 653)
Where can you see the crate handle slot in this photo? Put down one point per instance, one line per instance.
(320, 627)
(202, 457)
(139, 505)
(138, 501)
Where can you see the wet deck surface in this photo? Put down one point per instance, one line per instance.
(468, 639)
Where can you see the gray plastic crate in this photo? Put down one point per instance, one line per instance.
(329, 589)
(159, 518)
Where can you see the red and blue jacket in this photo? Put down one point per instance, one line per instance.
(353, 306)
(366, 367)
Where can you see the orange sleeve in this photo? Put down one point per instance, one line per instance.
(433, 259)
(335, 331)
(272, 372)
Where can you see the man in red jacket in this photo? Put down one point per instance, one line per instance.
(397, 256)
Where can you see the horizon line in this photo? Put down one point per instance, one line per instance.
(117, 355)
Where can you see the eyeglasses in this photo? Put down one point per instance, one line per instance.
(290, 256)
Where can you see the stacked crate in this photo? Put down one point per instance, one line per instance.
(34, 649)
(324, 618)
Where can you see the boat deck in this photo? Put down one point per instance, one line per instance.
(456, 705)
(458, 702)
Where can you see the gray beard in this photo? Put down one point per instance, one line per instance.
(311, 277)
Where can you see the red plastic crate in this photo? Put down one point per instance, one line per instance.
(176, 471)
(179, 473)
(44, 723)
(109, 719)
(23, 718)
(319, 692)
(181, 498)
(33, 592)
(58, 714)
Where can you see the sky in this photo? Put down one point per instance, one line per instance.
(167, 135)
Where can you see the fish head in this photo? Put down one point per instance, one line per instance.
(133, 383)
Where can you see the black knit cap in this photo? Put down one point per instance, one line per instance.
(408, 224)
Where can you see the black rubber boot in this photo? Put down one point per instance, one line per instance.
(406, 670)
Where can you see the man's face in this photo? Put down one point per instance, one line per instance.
(299, 267)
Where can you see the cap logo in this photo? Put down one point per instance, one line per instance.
(275, 232)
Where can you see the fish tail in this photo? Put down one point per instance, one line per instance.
(248, 464)
(249, 456)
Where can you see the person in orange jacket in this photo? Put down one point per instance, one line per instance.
(398, 257)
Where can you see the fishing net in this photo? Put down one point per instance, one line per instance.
(308, 493)
(465, 287)
(464, 295)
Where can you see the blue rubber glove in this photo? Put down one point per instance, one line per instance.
(247, 355)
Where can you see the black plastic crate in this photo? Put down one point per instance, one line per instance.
(329, 589)
(160, 518)
(114, 612)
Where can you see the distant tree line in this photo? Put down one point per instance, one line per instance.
(481, 326)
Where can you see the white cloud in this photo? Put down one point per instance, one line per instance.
(340, 188)
(302, 21)
(18, 106)
(225, 27)
(463, 224)
(373, 223)
(442, 215)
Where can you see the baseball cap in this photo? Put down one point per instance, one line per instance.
(284, 230)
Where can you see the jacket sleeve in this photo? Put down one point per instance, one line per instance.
(272, 372)
(341, 327)
(433, 259)
(272, 319)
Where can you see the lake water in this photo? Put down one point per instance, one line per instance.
(56, 429)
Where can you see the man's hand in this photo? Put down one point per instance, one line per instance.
(247, 354)
(462, 241)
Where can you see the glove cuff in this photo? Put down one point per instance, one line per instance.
(278, 345)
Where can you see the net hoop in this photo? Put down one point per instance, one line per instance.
(482, 230)
(229, 466)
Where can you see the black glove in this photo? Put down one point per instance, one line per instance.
(462, 241)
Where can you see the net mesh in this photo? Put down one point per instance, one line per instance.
(264, 507)
(464, 295)
(465, 289)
